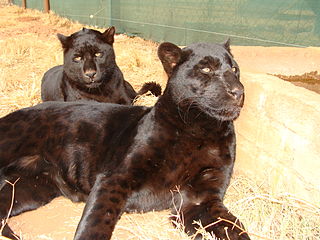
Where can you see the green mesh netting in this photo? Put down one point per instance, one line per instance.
(246, 22)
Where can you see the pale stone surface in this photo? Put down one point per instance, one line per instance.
(278, 133)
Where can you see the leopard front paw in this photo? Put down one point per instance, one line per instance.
(198, 221)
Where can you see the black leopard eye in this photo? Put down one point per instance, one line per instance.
(77, 59)
(234, 69)
(98, 54)
(206, 70)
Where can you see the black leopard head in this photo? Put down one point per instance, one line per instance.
(205, 77)
(88, 56)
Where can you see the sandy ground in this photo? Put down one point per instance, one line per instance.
(277, 60)
(58, 220)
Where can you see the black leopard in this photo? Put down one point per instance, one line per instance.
(90, 72)
(119, 158)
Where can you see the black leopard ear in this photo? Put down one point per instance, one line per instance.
(65, 41)
(108, 35)
(169, 55)
(226, 45)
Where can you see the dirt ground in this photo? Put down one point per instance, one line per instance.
(29, 47)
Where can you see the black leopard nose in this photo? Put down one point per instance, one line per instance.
(90, 73)
(236, 93)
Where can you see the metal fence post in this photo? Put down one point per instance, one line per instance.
(24, 4)
(46, 6)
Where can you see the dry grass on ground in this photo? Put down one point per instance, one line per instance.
(28, 47)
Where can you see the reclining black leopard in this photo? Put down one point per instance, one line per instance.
(90, 71)
(119, 158)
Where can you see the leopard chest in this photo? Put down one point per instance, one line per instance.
(167, 164)
(187, 159)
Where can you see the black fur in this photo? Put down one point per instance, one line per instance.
(90, 71)
(131, 158)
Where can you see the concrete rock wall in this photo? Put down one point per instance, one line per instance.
(278, 135)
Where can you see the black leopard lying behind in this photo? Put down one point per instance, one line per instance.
(90, 71)
(120, 158)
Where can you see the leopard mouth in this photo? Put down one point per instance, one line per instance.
(93, 84)
(224, 114)
(229, 115)
(229, 112)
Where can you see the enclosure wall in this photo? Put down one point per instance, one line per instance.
(278, 135)
(246, 22)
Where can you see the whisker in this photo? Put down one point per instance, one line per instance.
(191, 103)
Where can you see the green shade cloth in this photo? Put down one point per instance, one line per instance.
(246, 22)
